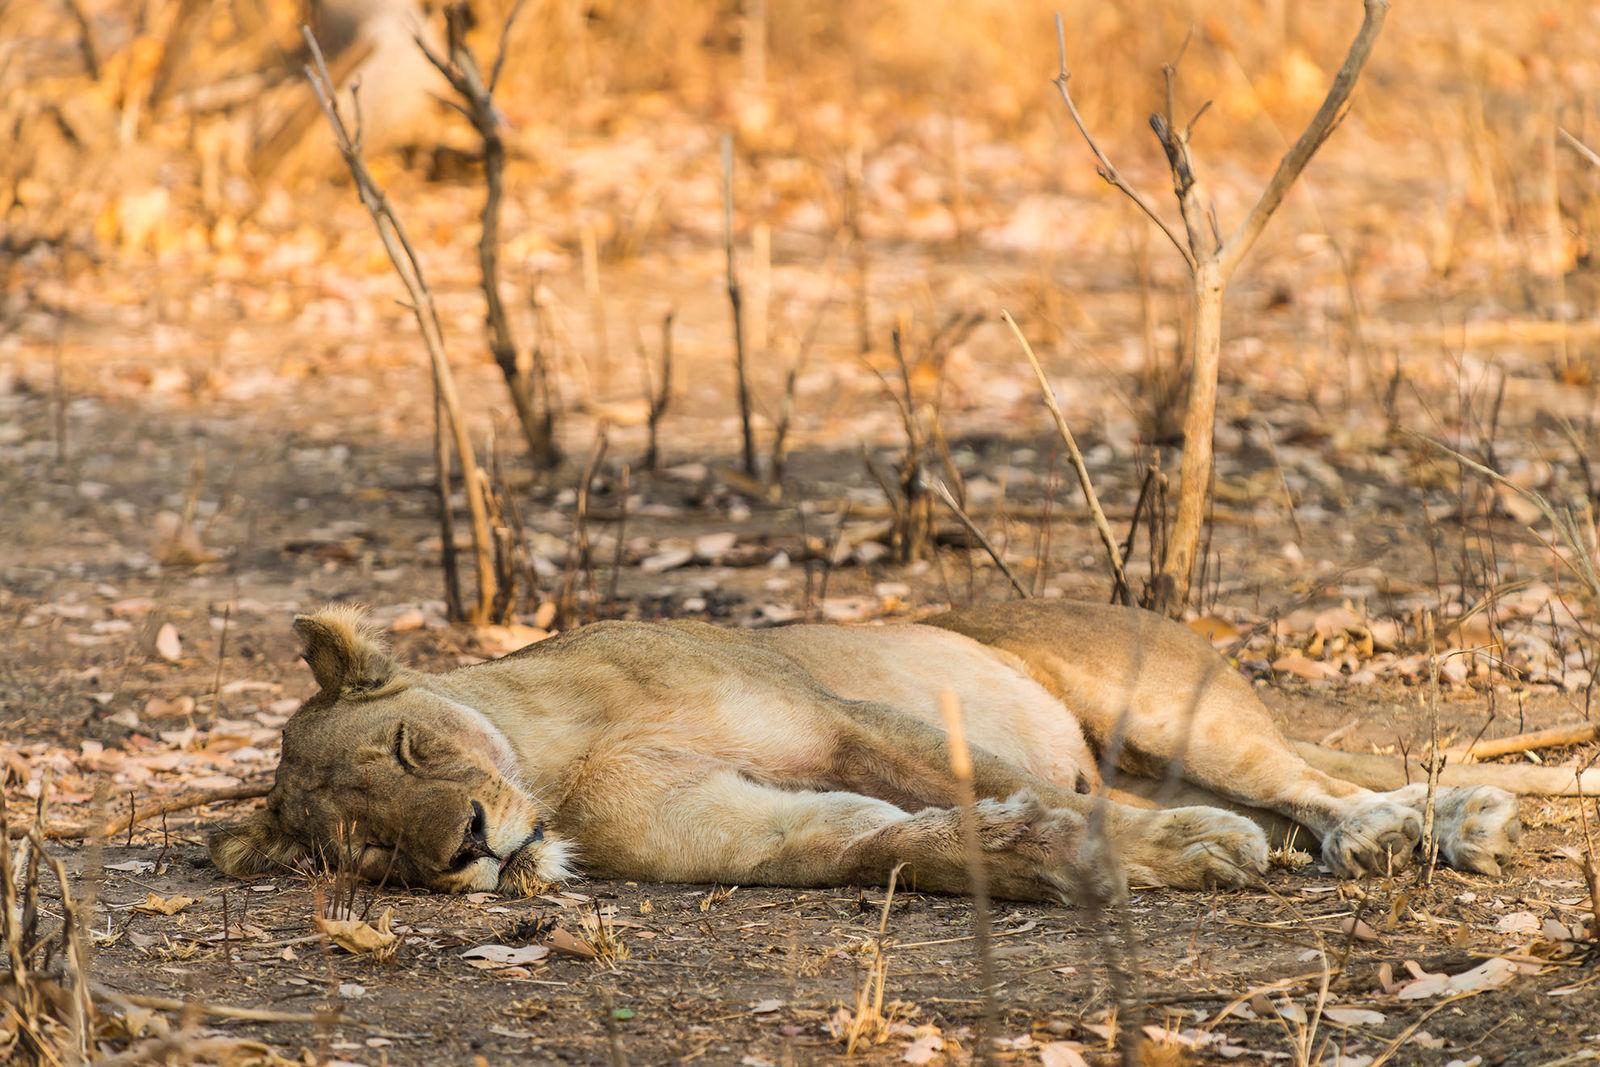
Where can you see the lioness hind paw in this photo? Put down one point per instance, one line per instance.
(1378, 837)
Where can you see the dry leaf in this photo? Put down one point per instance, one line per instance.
(1518, 922)
(165, 708)
(360, 937)
(1354, 1016)
(1062, 1054)
(567, 945)
(924, 1049)
(154, 905)
(486, 957)
(169, 646)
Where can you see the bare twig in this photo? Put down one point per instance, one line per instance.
(476, 102)
(220, 1011)
(166, 806)
(1119, 575)
(406, 264)
(736, 305)
(943, 492)
(1105, 168)
(1317, 131)
(1555, 737)
(1212, 261)
(659, 395)
(977, 875)
(1579, 147)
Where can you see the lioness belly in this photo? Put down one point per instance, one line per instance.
(906, 666)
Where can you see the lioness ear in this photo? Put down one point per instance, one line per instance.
(254, 845)
(344, 650)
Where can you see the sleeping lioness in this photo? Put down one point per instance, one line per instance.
(812, 756)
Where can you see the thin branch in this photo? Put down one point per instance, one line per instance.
(1316, 132)
(736, 304)
(1579, 147)
(1105, 168)
(1101, 525)
(505, 40)
(166, 806)
(407, 265)
(949, 499)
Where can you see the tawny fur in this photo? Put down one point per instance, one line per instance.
(813, 755)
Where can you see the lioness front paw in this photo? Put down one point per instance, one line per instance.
(1378, 836)
(1193, 848)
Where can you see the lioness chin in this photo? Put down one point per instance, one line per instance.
(811, 756)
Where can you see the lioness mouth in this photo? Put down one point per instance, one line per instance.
(520, 871)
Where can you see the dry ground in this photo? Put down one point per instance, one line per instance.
(213, 414)
(311, 491)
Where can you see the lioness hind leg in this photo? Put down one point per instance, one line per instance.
(1162, 696)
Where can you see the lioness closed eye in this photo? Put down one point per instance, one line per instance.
(810, 756)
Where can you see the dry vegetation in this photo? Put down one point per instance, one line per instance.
(626, 371)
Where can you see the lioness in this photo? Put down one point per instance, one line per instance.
(812, 756)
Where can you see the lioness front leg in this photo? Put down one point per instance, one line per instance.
(691, 820)
(888, 754)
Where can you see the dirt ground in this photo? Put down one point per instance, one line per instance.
(213, 424)
(312, 491)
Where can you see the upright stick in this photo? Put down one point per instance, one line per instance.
(977, 875)
(736, 303)
(1121, 592)
(409, 268)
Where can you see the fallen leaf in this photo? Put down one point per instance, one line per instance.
(488, 956)
(923, 1049)
(169, 646)
(1354, 1016)
(1360, 929)
(154, 905)
(1518, 922)
(361, 938)
(169, 708)
(567, 945)
(765, 1007)
(1062, 1054)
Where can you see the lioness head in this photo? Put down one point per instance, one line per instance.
(385, 773)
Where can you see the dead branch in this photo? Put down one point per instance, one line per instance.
(1579, 147)
(658, 395)
(476, 103)
(220, 1011)
(1533, 740)
(406, 264)
(124, 823)
(1212, 261)
(736, 304)
(977, 874)
(1317, 132)
(1105, 168)
(950, 502)
(1120, 591)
